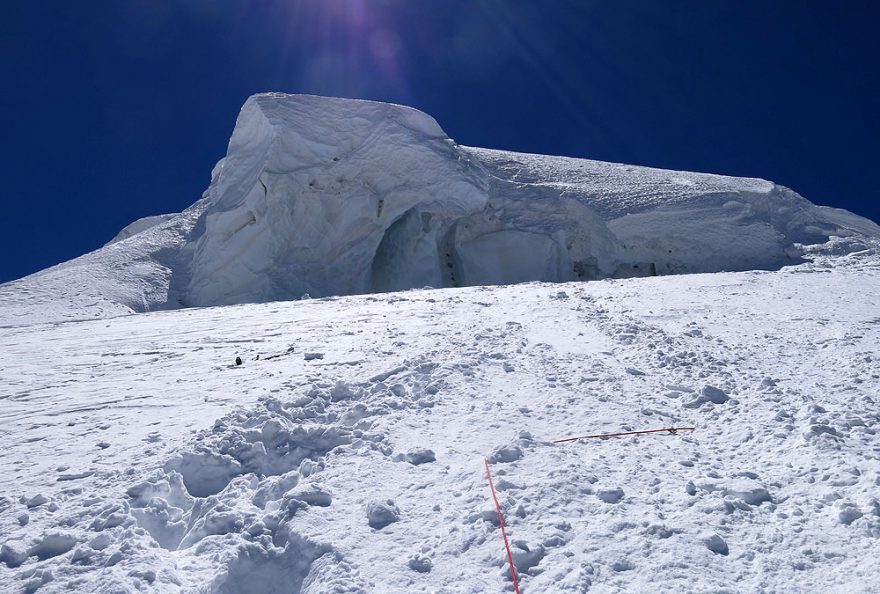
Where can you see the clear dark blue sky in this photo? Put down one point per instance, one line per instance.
(116, 109)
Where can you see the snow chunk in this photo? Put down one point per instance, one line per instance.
(416, 456)
(420, 563)
(708, 394)
(382, 513)
(747, 491)
(623, 565)
(715, 543)
(614, 495)
(52, 545)
(714, 395)
(36, 501)
(311, 494)
(849, 513)
(525, 557)
(506, 453)
(13, 553)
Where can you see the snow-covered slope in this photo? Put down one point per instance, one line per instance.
(345, 453)
(335, 196)
(141, 225)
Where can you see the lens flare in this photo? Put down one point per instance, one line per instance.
(342, 47)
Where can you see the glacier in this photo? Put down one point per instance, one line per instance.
(342, 443)
(323, 196)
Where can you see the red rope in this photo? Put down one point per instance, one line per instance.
(503, 532)
(672, 430)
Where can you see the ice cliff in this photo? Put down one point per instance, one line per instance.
(326, 196)
(329, 197)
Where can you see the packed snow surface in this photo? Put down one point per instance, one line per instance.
(337, 444)
(325, 196)
(345, 453)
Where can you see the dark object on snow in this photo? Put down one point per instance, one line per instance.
(238, 360)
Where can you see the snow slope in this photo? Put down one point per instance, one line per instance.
(346, 453)
(141, 225)
(326, 196)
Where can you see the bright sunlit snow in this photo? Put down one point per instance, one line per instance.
(343, 451)
(324, 196)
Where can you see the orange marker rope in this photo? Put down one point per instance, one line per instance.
(670, 430)
(503, 531)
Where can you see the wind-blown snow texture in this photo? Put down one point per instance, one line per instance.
(336, 445)
(325, 196)
(347, 454)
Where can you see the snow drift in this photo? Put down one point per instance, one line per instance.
(326, 196)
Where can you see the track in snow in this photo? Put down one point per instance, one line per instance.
(362, 470)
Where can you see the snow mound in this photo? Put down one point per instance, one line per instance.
(326, 196)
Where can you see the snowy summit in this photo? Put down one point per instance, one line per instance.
(325, 196)
(341, 444)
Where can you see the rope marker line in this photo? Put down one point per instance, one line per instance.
(503, 531)
(670, 430)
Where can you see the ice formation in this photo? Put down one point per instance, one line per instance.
(325, 196)
(341, 445)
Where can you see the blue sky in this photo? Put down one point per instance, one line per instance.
(116, 109)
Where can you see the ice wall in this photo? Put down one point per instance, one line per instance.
(331, 196)
(326, 196)
(336, 196)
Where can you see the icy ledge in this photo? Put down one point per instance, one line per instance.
(326, 196)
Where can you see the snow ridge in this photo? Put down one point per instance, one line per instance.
(325, 196)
